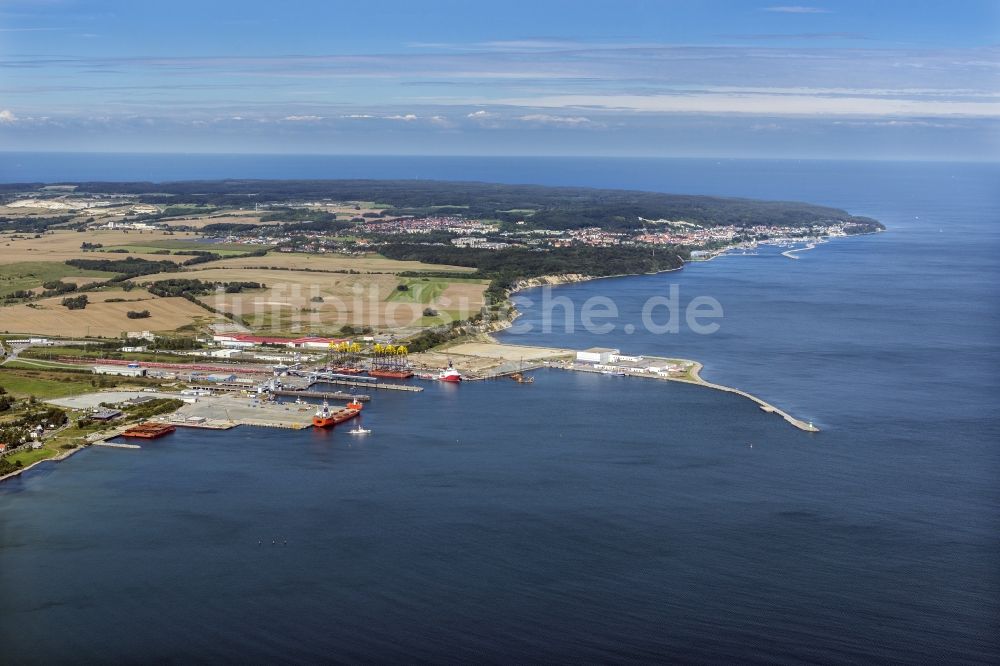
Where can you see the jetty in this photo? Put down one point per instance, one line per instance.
(493, 360)
(765, 406)
(386, 386)
(117, 445)
(322, 395)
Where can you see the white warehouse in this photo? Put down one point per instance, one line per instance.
(596, 355)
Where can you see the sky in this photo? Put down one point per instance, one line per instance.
(833, 79)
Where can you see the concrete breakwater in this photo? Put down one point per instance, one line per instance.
(483, 360)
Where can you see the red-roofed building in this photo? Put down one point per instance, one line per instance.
(246, 340)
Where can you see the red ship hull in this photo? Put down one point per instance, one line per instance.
(334, 418)
(391, 374)
(149, 430)
(327, 419)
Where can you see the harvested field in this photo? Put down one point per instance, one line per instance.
(337, 262)
(360, 300)
(200, 222)
(101, 318)
(60, 245)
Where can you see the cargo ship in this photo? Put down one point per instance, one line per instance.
(391, 374)
(325, 418)
(149, 430)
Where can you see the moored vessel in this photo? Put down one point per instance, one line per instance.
(450, 374)
(391, 374)
(149, 430)
(326, 418)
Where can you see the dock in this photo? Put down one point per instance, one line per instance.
(322, 395)
(117, 445)
(367, 385)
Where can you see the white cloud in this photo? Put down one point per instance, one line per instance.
(409, 117)
(797, 9)
(480, 114)
(441, 121)
(7, 116)
(358, 116)
(897, 123)
(767, 105)
(548, 119)
(302, 119)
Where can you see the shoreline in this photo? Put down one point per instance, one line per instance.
(499, 325)
(53, 459)
(572, 278)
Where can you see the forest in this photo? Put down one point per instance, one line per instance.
(536, 206)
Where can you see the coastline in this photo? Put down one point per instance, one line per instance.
(695, 373)
(500, 324)
(53, 459)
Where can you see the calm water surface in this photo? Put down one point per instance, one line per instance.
(586, 517)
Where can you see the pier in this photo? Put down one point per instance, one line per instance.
(493, 360)
(365, 385)
(117, 445)
(322, 395)
(765, 406)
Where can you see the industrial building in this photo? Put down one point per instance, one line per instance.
(105, 414)
(124, 371)
(596, 355)
(243, 340)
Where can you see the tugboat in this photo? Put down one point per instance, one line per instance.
(450, 374)
(324, 418)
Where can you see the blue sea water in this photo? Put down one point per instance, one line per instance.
(584, 517)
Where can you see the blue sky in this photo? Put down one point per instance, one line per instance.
(881, 80)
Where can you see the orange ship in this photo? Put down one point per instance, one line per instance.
(391, 374)
(149, 430)
(324, 418)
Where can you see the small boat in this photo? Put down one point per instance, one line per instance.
(358, 430)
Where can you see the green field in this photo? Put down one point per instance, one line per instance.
(37, 364)
(51, 353)
(33, 455)
(31, 274)
(224, 249)
(442, 317)
(419, 291)
(18, 383)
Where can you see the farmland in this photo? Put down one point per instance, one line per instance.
(23, 383)
(291, 300)
(58, 246)
(372, 263)
(26, 275)
(100, 317)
